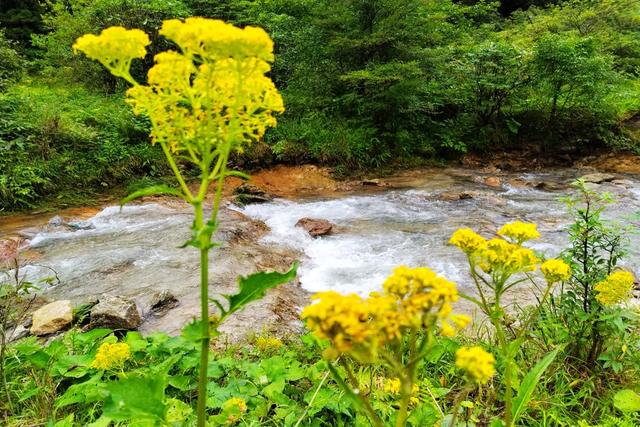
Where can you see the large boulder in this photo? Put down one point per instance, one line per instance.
(114, 312)
(246, 194)
(598, 177)
(52, 318)
(315, 227)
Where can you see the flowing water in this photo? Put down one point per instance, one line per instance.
(411, 226)
(134, 252)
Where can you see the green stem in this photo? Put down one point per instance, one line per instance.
(365, 404)
(406, 389)
(204, 314)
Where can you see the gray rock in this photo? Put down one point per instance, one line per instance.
(598, 177)
(115, 313)
(315, 227)
(163, 300)
(18, 333)
(57, 221)
(52, 318)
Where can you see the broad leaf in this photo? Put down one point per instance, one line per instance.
(254, 287)
(136, 398)
(154, 190)
(627, 401)
(529, 383)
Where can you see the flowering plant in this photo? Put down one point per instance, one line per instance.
(205, 100)
(496, 266)
(395, 328)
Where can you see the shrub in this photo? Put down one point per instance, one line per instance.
(11, 64)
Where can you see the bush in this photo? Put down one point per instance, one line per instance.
(11, 64)
(52, 138)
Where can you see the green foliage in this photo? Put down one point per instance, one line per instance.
(53, 137)
(11, 64)
(69, 20)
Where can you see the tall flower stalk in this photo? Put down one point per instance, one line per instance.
(205, 100)
(496, 266)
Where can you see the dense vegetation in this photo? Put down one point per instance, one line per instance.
(365, 82)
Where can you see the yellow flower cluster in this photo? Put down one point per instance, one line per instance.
(115, 48)
(234, 408)
(235, 403)
(268, 344)
(555, 270)
(477, 363)
(499, 255)
(111, 356)
(213, 91)
(392, 386)
(519, 231)
(412, 298)
(467, 240)
(615, 289)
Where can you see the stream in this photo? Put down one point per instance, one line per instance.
(133, 252)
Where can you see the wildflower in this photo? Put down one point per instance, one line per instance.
(343, 319)
(235, 403)
(555, 270)
(477, 363)
(212, 91)
(115, 48)
(233, 409)
(615, 289)
(111, 356)
(268, 344)
(519, 231)
(392, 386)
(506, 257)
(467, 240)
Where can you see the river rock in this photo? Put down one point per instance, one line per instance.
(492, 181)
(549, 186)
(454, 196)
(52, 318)
(163, 300)
(315, 227)
(598, 177)
(375, 182)
(114, 312)
(246, 194)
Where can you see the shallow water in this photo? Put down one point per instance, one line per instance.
(408, 226)
(134, 252)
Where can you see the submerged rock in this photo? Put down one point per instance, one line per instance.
(454, 196)
(492, 181)
(52, 318)
(598, 177)
(246, 194)
(315, 227)
(114, 313)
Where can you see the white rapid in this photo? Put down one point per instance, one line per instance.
(377, 232)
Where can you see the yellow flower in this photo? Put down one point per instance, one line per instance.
(506, 257)
(268, 344)
(211, 91)
(477, 363)
(412, 298)
(615, 289)
(467, 240)
(111, 356)
(235, 403)
(519, 231)
(115, 48)
(392, 386)
(555, 270)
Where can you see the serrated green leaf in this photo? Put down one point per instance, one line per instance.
(254, 287)
(136, 398)
(154, 190)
